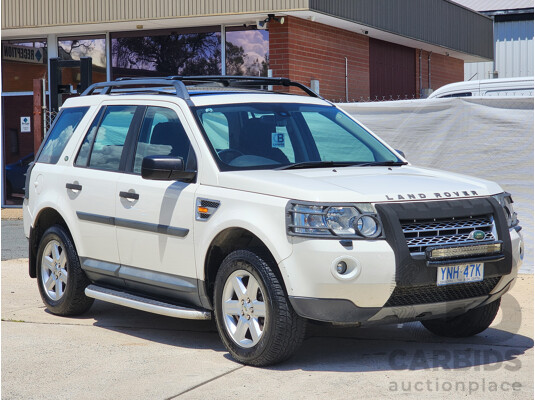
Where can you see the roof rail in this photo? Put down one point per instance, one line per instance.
(246, 81)
(179, 83)
(106, 87)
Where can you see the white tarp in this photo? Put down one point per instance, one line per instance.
(490, 138)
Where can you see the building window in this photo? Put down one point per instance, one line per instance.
(73, 48)
(193, 51)
(247, 52)
(22, 62)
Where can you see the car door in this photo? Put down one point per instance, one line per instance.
(154, 219)
(92, 188)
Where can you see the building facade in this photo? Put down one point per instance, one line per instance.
(350, 50)
(513, 39)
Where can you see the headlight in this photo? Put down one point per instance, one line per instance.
(358, 221)
(506, 201)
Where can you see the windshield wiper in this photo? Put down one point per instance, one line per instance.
(316, 164)
(381, 164)
(324, 164)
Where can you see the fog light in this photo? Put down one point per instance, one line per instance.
(341, 267)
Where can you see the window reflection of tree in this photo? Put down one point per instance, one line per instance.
(236, 62)
(183, 54)
(74, 49)
(83, 45)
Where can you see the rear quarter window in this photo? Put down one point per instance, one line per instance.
(61, 132)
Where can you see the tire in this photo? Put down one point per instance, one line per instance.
(269, 330)
(60, 278)
(468, 324)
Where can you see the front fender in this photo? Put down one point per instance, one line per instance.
(263, 216)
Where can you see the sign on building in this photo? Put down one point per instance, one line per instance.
(25, 124)
(35, 55)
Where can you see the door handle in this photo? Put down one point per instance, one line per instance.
(74, 186)
(129, 195)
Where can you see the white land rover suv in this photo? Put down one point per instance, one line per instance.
(195, 197)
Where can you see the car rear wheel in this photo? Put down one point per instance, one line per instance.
(254, 318)
(60, 278)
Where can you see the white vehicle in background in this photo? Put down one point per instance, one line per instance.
(511, 87)
(218, 199)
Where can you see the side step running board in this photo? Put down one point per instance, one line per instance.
(144, 304)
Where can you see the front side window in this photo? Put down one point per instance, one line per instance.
(275, 135)
(161, 134)
(103, 146)
(61, 132)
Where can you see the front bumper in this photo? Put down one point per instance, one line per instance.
(345, 312)
(386, 283)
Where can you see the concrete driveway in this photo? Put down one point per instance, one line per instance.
(117, 353)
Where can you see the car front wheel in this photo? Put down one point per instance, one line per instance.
(254, 318)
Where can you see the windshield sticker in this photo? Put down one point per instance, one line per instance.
(277, 140)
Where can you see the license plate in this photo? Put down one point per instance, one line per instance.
(461, 273)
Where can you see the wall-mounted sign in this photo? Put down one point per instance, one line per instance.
(25, 124)
(35, 55)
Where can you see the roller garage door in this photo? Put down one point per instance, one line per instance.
(392, 70)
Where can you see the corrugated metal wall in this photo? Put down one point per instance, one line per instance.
(514, 48)
(31, 13)
(433, 21)
(514, 52)
(477, 71)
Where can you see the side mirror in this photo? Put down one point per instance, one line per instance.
(401, 153)
(166, 168)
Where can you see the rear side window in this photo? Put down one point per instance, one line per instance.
(103, 145)
(61, 132)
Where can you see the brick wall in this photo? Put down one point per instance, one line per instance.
(303, 50)
(444, 70)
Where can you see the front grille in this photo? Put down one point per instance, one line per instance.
(405, 296)
(420, 234)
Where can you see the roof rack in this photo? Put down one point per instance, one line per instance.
(179, 83)
(106, 87)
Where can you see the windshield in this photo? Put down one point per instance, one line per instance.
(282, 135)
